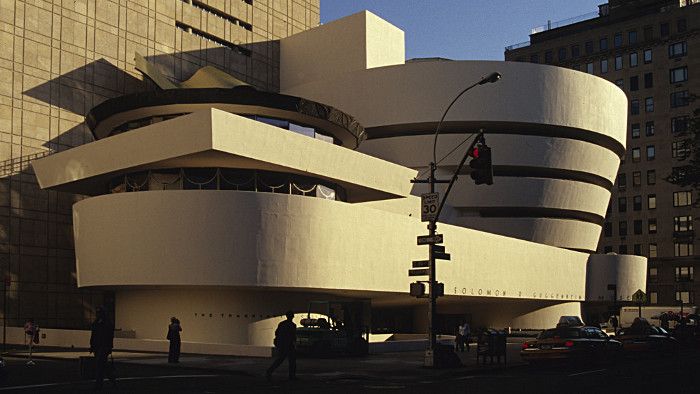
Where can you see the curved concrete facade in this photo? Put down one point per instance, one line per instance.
(555, 149)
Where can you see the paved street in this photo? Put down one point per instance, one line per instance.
(400, 372)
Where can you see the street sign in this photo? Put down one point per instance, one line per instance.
(639, 296)
(441, 256)
(419, 272)
(429, 240)
(429, 205)
(421, 263)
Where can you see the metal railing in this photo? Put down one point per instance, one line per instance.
(554, 25)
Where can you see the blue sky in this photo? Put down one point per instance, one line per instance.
(462, 29)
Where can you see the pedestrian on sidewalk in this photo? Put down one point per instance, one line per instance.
(285, 339)
(174, 337)
(466, 335)
(459, 341)
(101, 344)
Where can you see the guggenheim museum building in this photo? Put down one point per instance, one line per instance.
(227, 205)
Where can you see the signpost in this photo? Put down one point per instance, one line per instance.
(640, 298)
(429, 239)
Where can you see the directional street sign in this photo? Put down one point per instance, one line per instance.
(419, 272)
(429, 205)
(421, 263)
(441, 256)
(427, 239)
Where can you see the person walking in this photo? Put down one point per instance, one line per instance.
(174, 337)
(466, 334)
(101, 344)
(285, 339)
(459, 341)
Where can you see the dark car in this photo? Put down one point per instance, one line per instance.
(571, 343)
(3, 369)
(642, 337)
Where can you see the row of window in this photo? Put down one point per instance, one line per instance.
(683, 274)
(678, 99)
(681, 225)
(679, 126)
(636, 179)
(686, 296)
(603, 45)
(679, 150)
(675, 50)
(680, 249)
(680, 199)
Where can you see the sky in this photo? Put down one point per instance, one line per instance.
(462, 29)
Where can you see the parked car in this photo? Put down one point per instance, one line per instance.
(571, 343)
(3, 369)
(642, 337)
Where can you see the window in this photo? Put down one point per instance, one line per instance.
(651, 226)
(684, 274)
(679, 99)
(638, 249)
(651, 152)
(653, 273)
(652, 251)
(685, 296)
(634, 107)
(647, 56)
(548, 57)
(618, 62)
(679, 74)
(677, 49)
(636, 178)
(679, 125)
(634, 59)
(589, 68)
(637, 203)
(682, 223)
(680, 150)
(653, 297)
(682, 199)
(534, 58)
(603, 44)
(623, 249)
(621, 181)
(649, 128)
(651, 201)
(681, 26)
(620, 83)
(634, 83)
(588, 47)
(648, 80)
(622, 204)
(607, 229)
(636, 155)
(648, 33)
(607, 249)
(635, 130)
(617, 40)
(575, 51)
(649, 104)
(561, 54)
(632, 37)
(637, 227)
(651, 177)
(664, 29)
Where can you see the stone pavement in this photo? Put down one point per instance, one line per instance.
(406, 366)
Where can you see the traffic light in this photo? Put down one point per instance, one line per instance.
(481, 165)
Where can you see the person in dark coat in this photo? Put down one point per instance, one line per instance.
(174, 337)
(101, 344)
(285, 339)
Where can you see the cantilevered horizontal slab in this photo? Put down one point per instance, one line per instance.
(214, 138)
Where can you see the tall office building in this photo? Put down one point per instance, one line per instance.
(651, 50)
(60, 59)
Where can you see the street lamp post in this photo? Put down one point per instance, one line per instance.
(432, 223)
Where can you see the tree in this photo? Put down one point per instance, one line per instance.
(688, 174)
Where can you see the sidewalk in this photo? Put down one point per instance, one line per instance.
(397, 366)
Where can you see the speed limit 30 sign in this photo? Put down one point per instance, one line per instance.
(429, 205)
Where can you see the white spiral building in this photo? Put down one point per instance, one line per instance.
(226, 207)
